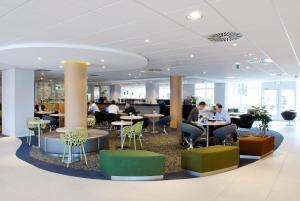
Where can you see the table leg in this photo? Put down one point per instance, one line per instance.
(39, 135)
(207, 136)
(121, 133)
(153, 131)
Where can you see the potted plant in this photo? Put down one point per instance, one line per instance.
(261, 115)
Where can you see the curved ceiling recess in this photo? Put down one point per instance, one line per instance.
(50, 55)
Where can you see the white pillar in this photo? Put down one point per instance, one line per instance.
(17, 101)
(152, 92)
(188, 90)
(115, 92)
(221, 94)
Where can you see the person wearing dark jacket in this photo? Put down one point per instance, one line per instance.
(129, 109)
(194, 114)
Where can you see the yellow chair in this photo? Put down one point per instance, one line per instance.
(31, 128)
(74, 137)
(134, 132)
(91, 121)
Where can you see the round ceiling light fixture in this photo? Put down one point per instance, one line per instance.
(194, 15)
(224, 36)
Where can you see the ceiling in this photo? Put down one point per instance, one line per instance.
(269, 27)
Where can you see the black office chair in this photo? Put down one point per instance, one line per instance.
(246, 121)
(101, 118)
(190, 134)
(226, 135)
(289, 115)
(164, 123)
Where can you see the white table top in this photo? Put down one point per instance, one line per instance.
(131, 117)
(57, 115)
(44, 112)
(64, 129)
(121, 123)
(36, 122)
(211, 123)
(153, 115)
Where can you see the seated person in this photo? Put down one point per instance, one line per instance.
(93, 107)
(196, 112)
(221, 114)
(112, 108)
(39, 106)
(129, 109)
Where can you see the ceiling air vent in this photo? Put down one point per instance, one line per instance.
(154, 70)
(224, 36)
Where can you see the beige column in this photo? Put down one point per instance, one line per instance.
(75, 83)
(175, 100)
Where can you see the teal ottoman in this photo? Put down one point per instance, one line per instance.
(132, 165)
(210, 160)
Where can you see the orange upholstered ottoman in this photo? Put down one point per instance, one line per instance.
(258, 146)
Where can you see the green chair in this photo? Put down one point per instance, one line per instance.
(134, 132)
(32, 128)
(74, 137)
(91, 121)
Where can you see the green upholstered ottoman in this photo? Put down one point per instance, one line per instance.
(210, 160)
(132, 165)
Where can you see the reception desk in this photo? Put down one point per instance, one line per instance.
(143, 108)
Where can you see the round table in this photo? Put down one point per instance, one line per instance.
(131, 118)
(208, 124)
(153, 116)
(60, 116)
(44, 112)
(121, 123)
(64, 129)
(39, 123)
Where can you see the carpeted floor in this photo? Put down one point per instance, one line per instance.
(165, 144)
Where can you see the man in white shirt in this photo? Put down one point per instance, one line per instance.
(93, 107)
(112, 108)
(221, 114)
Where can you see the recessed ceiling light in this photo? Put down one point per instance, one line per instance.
(268, 60)
(39, 58)
(234, 44)
(168, 69)
(142, 71)
(203, 72)
(247, 67)
(42, 73)
(255, 58)
(192, 55)
(102, 60)
(129, 74)
(230, 77)
(273, 74)
(103, 67)
(147, 41)
(194, 15)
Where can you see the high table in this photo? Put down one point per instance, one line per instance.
(39, 123)
(60, 116)
(121, 123)
(153, 116)
(208, 124)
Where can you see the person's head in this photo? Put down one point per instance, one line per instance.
(40, 102)
(201, 105)
(92, 101)
(88, 103)
(113, 102)
(219, 107)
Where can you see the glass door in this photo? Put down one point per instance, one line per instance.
(270, 101)
(287, 99)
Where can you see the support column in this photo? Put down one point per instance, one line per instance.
(75, 82)
(188, 90)
(175, 100)
(17, 101)
(152, 92)
(220, 94)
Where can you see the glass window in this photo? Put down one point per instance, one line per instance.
(205, 92)
(137, 91)
(243, 95)
(164, 91)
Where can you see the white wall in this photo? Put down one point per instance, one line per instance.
(17, 101)
(221, 94)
